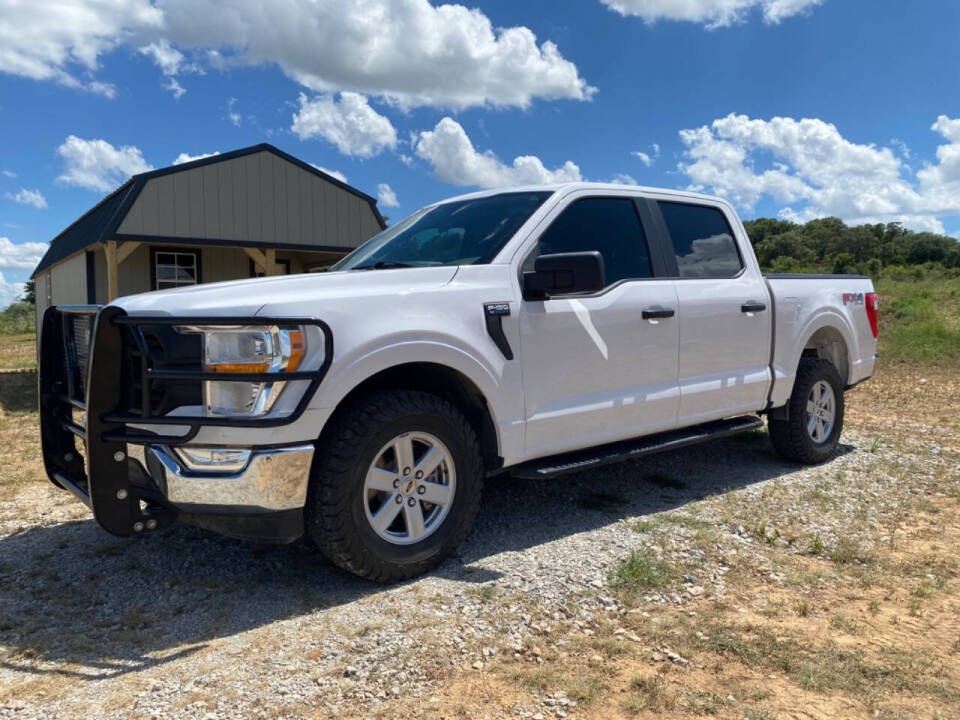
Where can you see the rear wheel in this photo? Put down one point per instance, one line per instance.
(812, 429)
(396, 485)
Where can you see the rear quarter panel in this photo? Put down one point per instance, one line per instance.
(807, 305)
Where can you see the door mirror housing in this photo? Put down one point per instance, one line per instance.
(564, 274)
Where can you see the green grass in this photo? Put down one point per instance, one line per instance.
(920, 320)
(642, 570)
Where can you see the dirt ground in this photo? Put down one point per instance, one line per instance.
(712, 582)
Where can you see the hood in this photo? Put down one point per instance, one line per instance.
(246, 297)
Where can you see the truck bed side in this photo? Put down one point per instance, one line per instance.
(821, 314)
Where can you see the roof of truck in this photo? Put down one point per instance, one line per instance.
(573, 186)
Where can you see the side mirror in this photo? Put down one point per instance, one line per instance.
(564, 274)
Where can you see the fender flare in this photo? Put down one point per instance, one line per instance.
(826, 318)
(347, 373)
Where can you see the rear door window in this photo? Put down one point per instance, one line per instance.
(702, 241)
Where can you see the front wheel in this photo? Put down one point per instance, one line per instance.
(812, 429)
(396, 485)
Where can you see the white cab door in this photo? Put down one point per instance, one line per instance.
(724, 317)
(594, 370)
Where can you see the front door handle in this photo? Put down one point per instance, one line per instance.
(656, 312)
(753, 306)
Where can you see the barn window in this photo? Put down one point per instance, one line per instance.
(174, 268)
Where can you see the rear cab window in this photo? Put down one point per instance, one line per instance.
(702, 240)
(609, 225)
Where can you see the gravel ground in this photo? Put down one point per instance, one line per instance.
(186, 624)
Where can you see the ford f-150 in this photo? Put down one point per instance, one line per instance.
(535, 331)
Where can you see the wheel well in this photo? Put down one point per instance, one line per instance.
(828, 343)
(451, 385)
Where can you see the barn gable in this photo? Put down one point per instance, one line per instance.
(258, 197)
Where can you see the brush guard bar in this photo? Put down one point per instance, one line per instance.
(85, 352)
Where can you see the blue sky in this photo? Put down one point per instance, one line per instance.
(796, 108)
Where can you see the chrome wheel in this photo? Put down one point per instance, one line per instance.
(821, 411)
(409, 488)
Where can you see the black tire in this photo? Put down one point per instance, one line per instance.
(790, 436)
(336, 519)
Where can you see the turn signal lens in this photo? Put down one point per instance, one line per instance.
(872, 303)
(296, 350)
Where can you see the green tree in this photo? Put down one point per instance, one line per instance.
(30, 292)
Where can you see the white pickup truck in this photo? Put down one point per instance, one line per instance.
(537, 330)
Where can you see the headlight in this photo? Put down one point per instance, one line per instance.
(246, 349)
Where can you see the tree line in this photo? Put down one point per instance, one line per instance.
(829, 245)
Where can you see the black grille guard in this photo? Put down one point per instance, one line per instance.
(125, 500)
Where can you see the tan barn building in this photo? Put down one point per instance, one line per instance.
(241, 214)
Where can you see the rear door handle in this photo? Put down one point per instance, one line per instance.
(753, 306)
(656, 312)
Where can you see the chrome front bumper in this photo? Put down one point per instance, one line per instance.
(272, 479)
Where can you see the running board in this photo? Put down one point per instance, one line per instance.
(630, 449)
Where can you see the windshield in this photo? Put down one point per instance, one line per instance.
(464, 232)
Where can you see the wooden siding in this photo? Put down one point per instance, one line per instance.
(258, 198)
(217, 263)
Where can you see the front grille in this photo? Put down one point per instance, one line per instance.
(76, 353)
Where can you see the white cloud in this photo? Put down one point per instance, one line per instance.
(185, 158)
(98, 165)
(386, 196)
(108, 90)
(350, 124)
(171, 62)
(20, 256)
(816, 172)
(175, 88)
(940, 183)
(10, 292)
(54, 40)
(646, 158)
(623, 179)
(408, 51)
(712, 13)
(454, 159)
(29, 197)
(165, 56)
(901, 146)
(9, 173)
(335, 173)
(232, 114)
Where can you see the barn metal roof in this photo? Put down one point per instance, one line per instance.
(100, 223)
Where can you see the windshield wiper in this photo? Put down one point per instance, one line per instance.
(383, 265)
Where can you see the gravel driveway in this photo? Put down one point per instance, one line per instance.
(189, 624)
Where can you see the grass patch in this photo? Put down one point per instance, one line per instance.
(825, 668)
(642, 570)
(647, 693)
(582, 685)
(919, 321)
(18, 352)
(849, 550)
